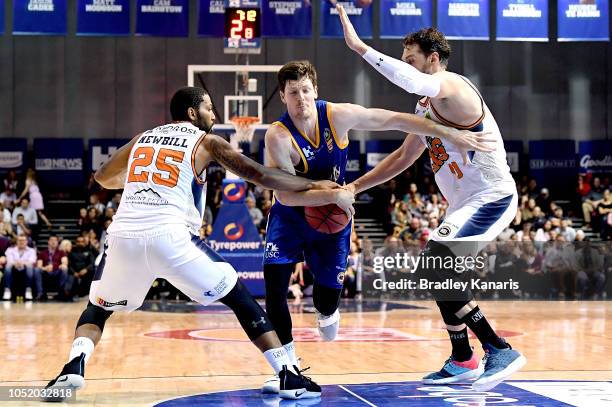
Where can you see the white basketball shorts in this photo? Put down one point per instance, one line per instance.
(130, 264)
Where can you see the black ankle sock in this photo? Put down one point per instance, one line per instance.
(461, 345)
(481, 328)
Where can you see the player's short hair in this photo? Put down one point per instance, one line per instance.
(183, 99)
(430, 40)
(296, 70)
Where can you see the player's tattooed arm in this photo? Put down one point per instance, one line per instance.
(111, 175)
(222, 152)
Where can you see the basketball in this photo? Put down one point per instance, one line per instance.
(326, 219)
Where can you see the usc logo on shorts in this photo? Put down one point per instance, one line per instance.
(437, 153)
(233, 231)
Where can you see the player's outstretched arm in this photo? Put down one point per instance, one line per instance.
(391, 166)
(222, 152)
(398, 72)
(278, 155)
(113, 172)
(348, 116)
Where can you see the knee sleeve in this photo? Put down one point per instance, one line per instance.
(435, 266)
(94, 315)
(277, 278)
(326, 299)
(251, 316)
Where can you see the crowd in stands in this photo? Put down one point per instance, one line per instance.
(408, 207)
(35, 269)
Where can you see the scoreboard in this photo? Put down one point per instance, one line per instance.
(242, 30)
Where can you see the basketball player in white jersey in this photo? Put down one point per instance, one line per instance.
(154, 235)
(479, 188)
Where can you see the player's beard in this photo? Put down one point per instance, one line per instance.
(203, 125)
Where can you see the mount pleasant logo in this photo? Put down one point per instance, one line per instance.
(234, 192)
(147, 190)
(233, 231)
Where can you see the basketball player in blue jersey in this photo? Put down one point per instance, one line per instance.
(311, 140)
(481, 192)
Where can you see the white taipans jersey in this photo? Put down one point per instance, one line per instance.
(162, 187)
(482, 194)
(487, 172)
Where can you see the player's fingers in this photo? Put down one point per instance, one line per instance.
(352, 210)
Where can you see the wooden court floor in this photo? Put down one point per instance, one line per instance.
(145, 357)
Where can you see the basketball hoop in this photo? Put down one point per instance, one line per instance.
(245, 129)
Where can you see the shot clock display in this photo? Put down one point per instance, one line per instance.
(242, 28)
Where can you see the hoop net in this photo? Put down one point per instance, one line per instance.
(244, 127)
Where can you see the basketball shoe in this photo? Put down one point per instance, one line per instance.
(328, 325)
(72, 376)
(294, 385)
(454, 371)
(499, 364)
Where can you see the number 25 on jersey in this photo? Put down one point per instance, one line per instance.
(167, 171)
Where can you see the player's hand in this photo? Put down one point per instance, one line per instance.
(345, 200)
(467, 141)
(350, 35)
(350, 187)
(324, 185)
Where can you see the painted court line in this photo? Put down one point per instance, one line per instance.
(359, 397)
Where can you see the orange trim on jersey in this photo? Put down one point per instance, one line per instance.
(317, 138)
(295, 144)
(197, 176)
(425, 101)
(455, 125)
(333, 130)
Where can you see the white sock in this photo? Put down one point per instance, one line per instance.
(277, 357)
(290, 348)
(81, 345)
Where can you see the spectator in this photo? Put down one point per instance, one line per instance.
(538, 218)
(52, 265)
(36, 199)
(591, 200)
(114, 202)
(584, 186)
(558, 262)
(94, 202)
(543, 234)
(591, 277)
(399, 215)
(20, 258)
(8, 198)
(532, 189)
(6, 213)
(81, 265)
(543, 200)
(91, 222)
(11, 181)
(566, 230)
(22, 227)
(108, 214)
(527, 211)
(6, 229)
(256, 215)
(413, 229)
(82, 218)
(29, 213)
(604, 209)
